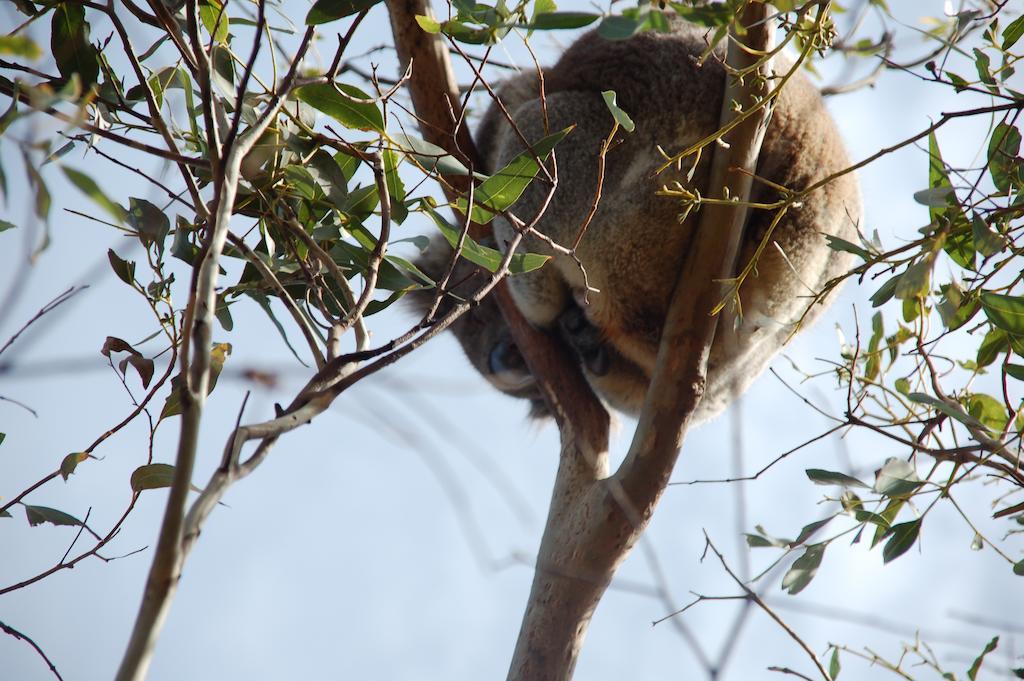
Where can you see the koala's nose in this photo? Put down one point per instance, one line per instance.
(507, 368)
(505, 357)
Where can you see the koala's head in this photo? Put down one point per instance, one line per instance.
(481, 330)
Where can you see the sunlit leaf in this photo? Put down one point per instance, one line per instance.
(503, 188)
(1005, 312)
(19, 46)
(620, 116)
(70, 462)
(1003, 147)
(487, 258)
(946, 408)
(896, 478)
(215, 20)
(428, 24)
(988, 410)
(357, 115)
(833, 665)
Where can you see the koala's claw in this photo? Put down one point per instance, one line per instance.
(585, 339)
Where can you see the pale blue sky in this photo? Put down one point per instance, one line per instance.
(349, 556)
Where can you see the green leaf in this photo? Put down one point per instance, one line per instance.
(70, 463)
(803, 569)
(988, 410)
(983, 64)
(959, 246)
(972, 673)
(837, 244)
(561, 20)
(1018, 568)
(833, 665)
(37, 515)
(215, 20)
(88, 187)
(1012, 33)
(992, 345)
(485, 257)
(885, 292)
(987, 242)
(1005, 312)
(124, 269)
(1003, 147)
(19, 46)
(808, 530)
(505, 187)
(902, 386)
(946, 408)
(4, 225)
(428, 24)
(218, 355)
(396, 188)
(823, 477)
(356, 115)
(954, 309)
(896, 478)
(69, 43)
(619, 27)
(1014, 370)
(756, 541)
(862, 516)
(324, 11)
(152, 476)
(432, 158)
(620, 116)
(888, 515)
(149, 221)
(901, 538)
(915, 282)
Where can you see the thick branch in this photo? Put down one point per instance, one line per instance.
(592, 527)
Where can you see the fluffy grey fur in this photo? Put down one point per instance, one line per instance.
(635, 245)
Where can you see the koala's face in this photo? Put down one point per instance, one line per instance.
(488, 343)
(481, 330)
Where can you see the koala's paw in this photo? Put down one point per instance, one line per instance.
(586, 340)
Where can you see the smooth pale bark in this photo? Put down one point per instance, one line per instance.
(595, 519)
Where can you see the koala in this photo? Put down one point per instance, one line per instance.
(635, 244)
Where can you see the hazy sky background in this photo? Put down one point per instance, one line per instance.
(381, 542)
